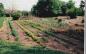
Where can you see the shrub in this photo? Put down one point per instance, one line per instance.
(16, 15)
(79, 12)
(71, 12)
(25, 13)
(1, 10)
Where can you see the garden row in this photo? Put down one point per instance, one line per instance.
(1, 21)
(45, 27)
(13, 30)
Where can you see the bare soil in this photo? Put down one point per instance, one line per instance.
(63, 40)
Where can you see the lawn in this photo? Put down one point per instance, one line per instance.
(1, 21)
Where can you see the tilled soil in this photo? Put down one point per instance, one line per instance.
(22, 36)
(5, 33)
(70, 41)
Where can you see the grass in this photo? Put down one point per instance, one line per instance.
(1, 21)
(14, 32)
(16, 48)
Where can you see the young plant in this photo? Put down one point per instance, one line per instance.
(14, 32)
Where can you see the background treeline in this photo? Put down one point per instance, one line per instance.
(2, 13)
(47, 8)
(12, 13)
(50, 8)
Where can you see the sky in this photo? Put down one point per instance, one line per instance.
(25, 4)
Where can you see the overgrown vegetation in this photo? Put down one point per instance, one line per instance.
(49, 8)
(1, 10)
(1, 21)
(14, 32)
(16, 15)
(16, 48)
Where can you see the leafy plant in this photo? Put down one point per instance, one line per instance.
(1, 10)
(14, 32)
(16, 15)
(1, 21)
(16, 48)
(71, 12)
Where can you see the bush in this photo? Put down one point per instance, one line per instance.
(1, 10)
(16, 15)
(25, 13)
(71, 12)
(79, 12)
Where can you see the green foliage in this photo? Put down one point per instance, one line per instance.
(79, 12)
(1, 10)
(14, 32)
(71, 12)
(16, 48)
(25, 13)
(16, 15)
(70, 4)
(1, 21)
(51, 7)
(82, 4)
(64, 8)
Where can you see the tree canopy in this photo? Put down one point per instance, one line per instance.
(50, 8)
(47, 8)
(1, 9)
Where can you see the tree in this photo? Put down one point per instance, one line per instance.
(72, 13)
(16, 15)
(1, 10)
(25, 13)
(71, 9)
(50, 8)
(70, 4)
(47, 8)
(64, 8)
(82, 5)
(79, 12)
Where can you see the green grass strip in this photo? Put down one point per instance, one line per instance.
(15, 48)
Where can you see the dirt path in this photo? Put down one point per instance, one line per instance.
(22, 36)
(3, 32)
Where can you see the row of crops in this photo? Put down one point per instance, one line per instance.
(1, 21)
(45, 27)
(7, 47)
(43, 24)
(37, 27)
(42, 30)
(42, 27)
(13, 30)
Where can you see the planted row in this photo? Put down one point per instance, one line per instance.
(27, 32)
(14, 32)
(1, 21)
